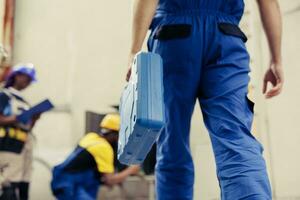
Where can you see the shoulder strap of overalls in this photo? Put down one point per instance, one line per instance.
(12, 96)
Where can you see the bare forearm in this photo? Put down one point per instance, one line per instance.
(127, 172)
(4, 120)
(112, 179)
(143, 14)
(130, 170)
(272, 22)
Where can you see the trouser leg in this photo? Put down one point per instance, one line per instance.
(174, 168)
(24, 190)
(228, 115)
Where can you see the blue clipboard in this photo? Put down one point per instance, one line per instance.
(42, 107)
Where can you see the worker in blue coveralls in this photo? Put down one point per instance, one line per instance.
(205, 59)
(90, 164)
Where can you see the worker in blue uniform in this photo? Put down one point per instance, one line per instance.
(205, 59)
(90, 164)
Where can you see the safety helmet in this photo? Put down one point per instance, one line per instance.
(27, 69)
(110, 123)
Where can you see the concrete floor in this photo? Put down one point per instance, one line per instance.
(135, 188)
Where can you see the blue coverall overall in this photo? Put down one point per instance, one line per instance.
(74, 186)
(205, 59)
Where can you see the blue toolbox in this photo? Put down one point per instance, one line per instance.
(141, 109)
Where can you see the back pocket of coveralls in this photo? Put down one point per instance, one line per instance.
(173, 31)
(232, 30)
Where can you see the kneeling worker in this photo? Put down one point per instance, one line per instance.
(90, 164)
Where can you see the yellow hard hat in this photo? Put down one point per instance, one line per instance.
(111, 122)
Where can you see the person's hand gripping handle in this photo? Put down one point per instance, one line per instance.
(142, 17)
